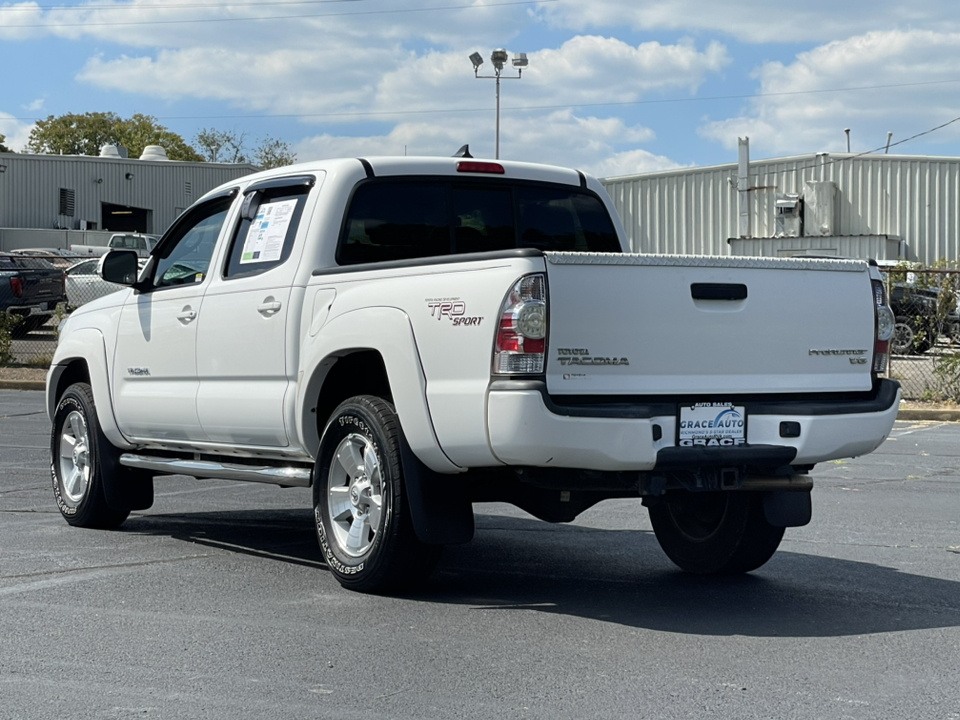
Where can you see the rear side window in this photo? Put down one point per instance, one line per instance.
(266, 229)
(402, 219)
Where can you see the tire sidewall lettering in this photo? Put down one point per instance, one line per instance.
(68, 403)
(343, 425)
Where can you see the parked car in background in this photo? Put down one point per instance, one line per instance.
(143, 244)
(57, 257)
(83, 283)
(30, 290)
(917, 319)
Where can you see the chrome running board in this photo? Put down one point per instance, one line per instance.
(275, 475)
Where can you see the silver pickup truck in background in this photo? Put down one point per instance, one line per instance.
(141, 244)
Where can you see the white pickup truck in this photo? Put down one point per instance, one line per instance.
(412, 336)
(142, 244)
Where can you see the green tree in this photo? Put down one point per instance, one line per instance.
(75, 134)
(273, 153)
(221, 146)
(230, 146)
(4, 148)
(141, 130)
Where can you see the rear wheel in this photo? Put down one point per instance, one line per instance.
(714, 532)
(903, 337)
(363, 519)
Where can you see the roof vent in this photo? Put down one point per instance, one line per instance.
(109, 151)
(154, 152)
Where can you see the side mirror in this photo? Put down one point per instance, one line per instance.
(119, 266)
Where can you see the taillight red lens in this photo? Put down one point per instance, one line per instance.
(521, 344)
(16, 284)
(884, 322)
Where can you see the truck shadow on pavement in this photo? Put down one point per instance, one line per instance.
(616, 576)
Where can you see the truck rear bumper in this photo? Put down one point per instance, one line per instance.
(527, 428)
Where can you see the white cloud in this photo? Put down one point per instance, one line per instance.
(600, 146)
(334, 78)
(431, 95)
(222, 23)
(922, 63)
(755, 21)
(16, 131)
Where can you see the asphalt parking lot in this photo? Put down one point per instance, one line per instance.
(214, 604)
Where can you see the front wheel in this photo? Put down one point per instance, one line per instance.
(362, 516)
(83, 462)
(714, 532)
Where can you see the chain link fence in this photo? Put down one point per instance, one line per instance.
(37, 290)
(925, 350)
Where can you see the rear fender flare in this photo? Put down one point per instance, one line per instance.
(387, 331)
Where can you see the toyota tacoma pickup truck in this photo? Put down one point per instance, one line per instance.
(410, 336)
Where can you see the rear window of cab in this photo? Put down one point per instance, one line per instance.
(405, 218)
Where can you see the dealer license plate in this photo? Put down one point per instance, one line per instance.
(712, 425)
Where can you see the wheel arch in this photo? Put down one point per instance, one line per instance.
(370, 351)
(82, 357)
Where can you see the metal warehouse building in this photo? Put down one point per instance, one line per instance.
(77, 194)
(887, 207)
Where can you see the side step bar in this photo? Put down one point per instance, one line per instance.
(286, 476)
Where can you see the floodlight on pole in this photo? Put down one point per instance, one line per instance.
(499, 59)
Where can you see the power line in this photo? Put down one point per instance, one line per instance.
(524, 108)
(169, 6)
(281, 17)
(835, 160)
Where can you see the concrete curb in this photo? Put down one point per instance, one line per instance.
(938, 414)
(22, 385)
(933, 414)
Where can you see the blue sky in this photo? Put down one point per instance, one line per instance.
(613, 87)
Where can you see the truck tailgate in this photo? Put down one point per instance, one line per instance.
(685, 325)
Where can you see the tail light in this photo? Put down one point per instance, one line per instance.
(521, 343)
(885, 322)
(16, 284)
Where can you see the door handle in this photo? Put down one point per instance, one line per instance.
(187, 315)
(269, 307)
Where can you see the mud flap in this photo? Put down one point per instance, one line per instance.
(127, 489)
(787, 508)
(439, 506)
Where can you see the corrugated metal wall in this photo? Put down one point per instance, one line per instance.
(696, 210)
(30, 188)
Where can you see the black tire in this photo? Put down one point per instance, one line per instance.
(26, 325)
(714, 532)
(363, 520)
(83, 462)
(903, 338)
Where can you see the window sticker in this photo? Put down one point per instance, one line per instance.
(267, 232)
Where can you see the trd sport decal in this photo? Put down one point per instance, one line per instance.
(454, 310)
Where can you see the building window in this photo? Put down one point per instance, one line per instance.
(67, 202)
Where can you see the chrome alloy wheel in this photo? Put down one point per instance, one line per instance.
(74, 458)
(355, 494)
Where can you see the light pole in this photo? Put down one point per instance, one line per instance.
(499, 59)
